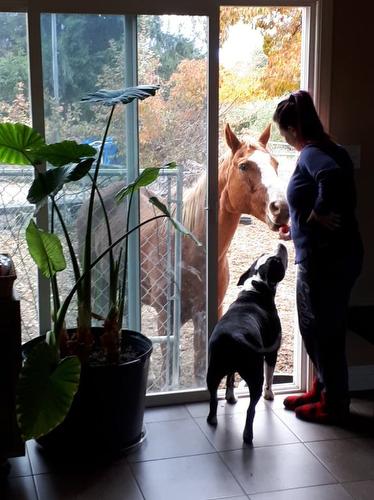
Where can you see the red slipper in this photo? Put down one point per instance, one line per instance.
(312, 396)
(323, 412)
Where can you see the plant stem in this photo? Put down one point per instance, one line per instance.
(84, 313)
(62, 312)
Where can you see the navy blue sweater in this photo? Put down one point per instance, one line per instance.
(323, 181)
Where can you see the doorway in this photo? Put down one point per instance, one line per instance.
(262, 59)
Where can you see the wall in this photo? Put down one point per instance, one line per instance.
(352, 113)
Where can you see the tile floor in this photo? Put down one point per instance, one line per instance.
(184, 459)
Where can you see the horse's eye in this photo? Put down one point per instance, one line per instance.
(243, 166)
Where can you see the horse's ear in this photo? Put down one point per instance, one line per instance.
(265, 136)
(231, 140)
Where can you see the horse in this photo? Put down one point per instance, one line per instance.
(247, 184)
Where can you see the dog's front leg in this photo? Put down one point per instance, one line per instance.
(255, 388)
(269, 365)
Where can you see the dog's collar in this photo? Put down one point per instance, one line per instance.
(262, 286)
(259, 285)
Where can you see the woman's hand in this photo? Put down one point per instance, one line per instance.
(330, 221)
(284, 232)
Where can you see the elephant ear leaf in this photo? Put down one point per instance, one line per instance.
(121, 96)
(50, 182)
(45, 390)
(19, 144)
(45, 249)
(65, 152)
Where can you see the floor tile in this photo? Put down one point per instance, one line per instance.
(43, 463)
(346, 459)
(20, 466)
(158, 414)
(228, 435)
(362, 407)
(360, 490)
(241, 497)
(202, 409)
(175, 438)
(276, 468)
(308, 431)
(109, 483)
(200, 477)
(325, 492)
(18, 488)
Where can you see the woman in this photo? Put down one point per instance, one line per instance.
(328, 249)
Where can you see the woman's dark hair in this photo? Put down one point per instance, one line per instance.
(298, 111)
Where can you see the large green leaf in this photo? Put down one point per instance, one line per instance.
(146, 177)
(18, 144)
(45, 390)
(52, 181)
(178, 225)
(45, 249)
(123, 96)
(65, 152)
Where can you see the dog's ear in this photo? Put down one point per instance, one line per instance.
(250, 272)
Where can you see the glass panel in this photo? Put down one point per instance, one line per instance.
(15, 211)
(172, 52)
(252, 82)
(81, 54)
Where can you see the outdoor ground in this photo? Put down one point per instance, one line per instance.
(251, 240)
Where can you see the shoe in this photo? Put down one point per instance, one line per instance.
(312, 396)
(324, 412)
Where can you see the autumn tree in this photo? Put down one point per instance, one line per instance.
(281, 30)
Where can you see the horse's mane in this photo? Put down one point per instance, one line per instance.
(194, 203)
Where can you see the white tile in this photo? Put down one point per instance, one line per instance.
(309, 431)
(326, 492)
(20, 466)
(360, 490)
(346, 459)
(202, 409)
(18, 488)
(106, 483)
(228, 435)
(274, 468)
(174, 438)
(200, 477)
(159, 414)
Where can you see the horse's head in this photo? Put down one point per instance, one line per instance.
(251, 180)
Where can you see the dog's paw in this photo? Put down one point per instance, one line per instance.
(247, 436)
(230, 396)
(212, 420)
(268, 394)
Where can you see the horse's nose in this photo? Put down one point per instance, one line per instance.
(275, 207)
(279, 210)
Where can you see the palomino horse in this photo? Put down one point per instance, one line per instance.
(247, 184)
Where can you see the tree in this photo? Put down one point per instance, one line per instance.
(13, 55)
(281, 29)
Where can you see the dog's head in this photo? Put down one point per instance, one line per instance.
(268, 269)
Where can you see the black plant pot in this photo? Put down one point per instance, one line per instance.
(106, 416)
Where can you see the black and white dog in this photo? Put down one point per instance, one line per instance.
(247, 334)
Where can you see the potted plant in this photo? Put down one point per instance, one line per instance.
(81, 389)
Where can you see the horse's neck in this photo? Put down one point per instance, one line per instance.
(194, 212)
(228, 220)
